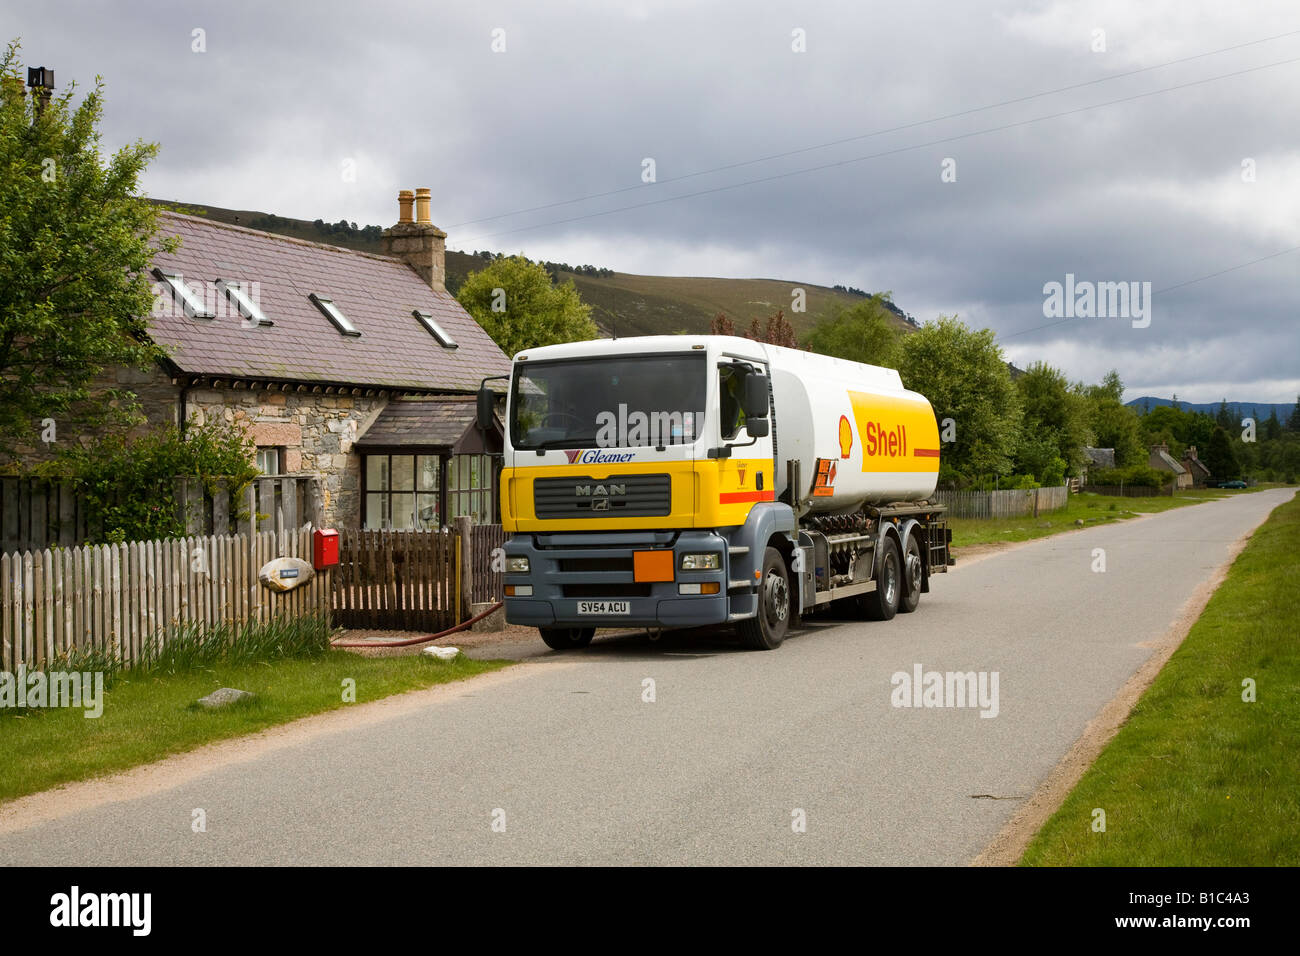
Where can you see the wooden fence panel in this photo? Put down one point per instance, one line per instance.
(39, 513)
(1018, 503)
(394, 579)
(125, 599)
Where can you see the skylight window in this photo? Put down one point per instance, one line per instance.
(189, 300)
(245, 303)
(438, 332)
(334, 314)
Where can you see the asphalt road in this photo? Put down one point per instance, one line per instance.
(734, 745)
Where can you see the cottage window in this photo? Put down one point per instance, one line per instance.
(334, 314)
(270, 459)
(402, 492)
(436, 330)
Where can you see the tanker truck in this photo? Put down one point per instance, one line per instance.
(679, 481)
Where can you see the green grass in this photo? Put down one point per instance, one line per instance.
(1197, 776)
(151, 714)
(1091, 509)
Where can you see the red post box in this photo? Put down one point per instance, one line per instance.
(324, 548)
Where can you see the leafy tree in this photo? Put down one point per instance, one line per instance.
(776, 331)
(721, 325)
(75, 253)
(1116, 426)
(863, 332)
(1054, 410)
(964, 375)
(517, 304)
(1219, 457)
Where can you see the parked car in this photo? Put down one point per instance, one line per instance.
(1232, 484)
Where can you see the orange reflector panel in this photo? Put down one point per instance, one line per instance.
(709, 587)
(652, 565)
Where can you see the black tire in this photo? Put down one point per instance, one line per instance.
(882, 603)
(567, 638)
(766, 630)
(910, 593)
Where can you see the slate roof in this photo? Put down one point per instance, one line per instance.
(1194, 464)
(377, 293)
(438, 422)
(1100, 457)
(1160, 458)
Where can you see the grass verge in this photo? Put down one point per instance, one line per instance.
(150, 713)
(1198, 776)
(1089, 508)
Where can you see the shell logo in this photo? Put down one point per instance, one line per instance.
(846, 437)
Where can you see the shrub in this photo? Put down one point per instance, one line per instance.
(1140, 475)
(128, 484)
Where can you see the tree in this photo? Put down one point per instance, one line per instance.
(964, 375)
(1293, 423)
(1054, 411)
(1223, 417)
(1116, 426)
(1272, 427)
(75, 253)
(517, 304)
(777, 330)
(864, 332)
(1219, 457)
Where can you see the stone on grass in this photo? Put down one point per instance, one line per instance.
(224, 697)
(442, 653)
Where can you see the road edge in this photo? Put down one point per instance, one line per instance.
(1014, 838)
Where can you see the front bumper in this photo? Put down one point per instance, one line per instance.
(567, 569)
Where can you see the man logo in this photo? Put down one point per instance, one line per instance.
(586, 491)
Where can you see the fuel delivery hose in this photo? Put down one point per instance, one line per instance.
(419, 640)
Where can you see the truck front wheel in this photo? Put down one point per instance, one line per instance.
(766, 630)
(567, 638)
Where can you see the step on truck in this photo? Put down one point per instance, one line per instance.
(679, 481)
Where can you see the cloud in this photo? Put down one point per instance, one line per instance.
(1146, 189)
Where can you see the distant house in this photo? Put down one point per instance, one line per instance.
(354, 367)
(1161, 460)
(1198, 470)
(1096, 459)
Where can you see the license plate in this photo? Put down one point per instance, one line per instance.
(603, 607)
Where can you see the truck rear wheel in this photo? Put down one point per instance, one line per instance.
(910, 593)
(766, 630)
(567, 638)
(882, 603)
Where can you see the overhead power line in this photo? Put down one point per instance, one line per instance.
(889, 152)
(879, 132)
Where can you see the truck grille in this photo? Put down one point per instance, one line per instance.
(624, 496)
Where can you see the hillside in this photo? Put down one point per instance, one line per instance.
(621, 302)
(1239, 410)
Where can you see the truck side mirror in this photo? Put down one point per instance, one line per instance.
(486, 407)
(755, 397)
(757, 427)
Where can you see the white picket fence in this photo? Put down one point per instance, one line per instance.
(1020, 503)
(118, 598)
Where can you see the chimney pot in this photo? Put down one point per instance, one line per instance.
(418, 242)
(423, 199)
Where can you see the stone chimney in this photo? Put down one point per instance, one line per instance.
(419, 243)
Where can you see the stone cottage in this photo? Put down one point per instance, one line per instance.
(355, 367)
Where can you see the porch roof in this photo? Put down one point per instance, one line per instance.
(431, 425)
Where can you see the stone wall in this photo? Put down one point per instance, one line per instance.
(316, 431)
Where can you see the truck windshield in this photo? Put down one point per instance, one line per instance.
(617, 402)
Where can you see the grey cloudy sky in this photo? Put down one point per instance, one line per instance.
(412, 94)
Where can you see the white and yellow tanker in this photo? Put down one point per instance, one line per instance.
(678, 481)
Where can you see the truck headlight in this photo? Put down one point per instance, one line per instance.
(517, 565)
(709, 561)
